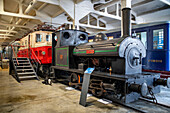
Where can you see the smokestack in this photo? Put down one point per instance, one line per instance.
(126, 18)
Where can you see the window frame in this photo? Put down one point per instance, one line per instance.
(163, 38)
(39, 37)
(139, 30)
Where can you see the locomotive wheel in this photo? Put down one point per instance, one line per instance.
(97, 87)
(40, 71)
(97, 92)
(43, 71)
(74, 78)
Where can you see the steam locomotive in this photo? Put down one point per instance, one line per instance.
(117, 62)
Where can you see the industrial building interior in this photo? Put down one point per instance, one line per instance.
(80, 56)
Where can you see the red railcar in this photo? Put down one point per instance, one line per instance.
(38, 46)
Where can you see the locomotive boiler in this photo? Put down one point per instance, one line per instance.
(126, 53)
(118, 64)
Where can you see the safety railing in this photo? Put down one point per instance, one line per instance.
(34, 60)
(14, 54)
(35, 56)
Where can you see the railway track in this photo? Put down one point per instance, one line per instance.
(146, 106)
(142, 105)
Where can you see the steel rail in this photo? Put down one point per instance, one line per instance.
(154, 102)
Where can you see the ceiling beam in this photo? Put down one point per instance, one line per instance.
(154, 10)
(108, 4)
(54, 2)
(1, 30)
(92, 26)
(141, 3)
(107, 15)
(58, 13)
(42, 6)
(17, 15)
(14, 25)
(6, 35)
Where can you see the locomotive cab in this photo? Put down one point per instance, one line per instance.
(66, 41)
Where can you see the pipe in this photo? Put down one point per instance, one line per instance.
(27, 10)
(126, 18)
(126, 21)
(31, 5)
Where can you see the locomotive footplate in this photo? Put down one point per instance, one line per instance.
(126, 88)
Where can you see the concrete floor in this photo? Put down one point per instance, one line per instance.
(32, 96)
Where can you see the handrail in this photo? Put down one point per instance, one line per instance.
(15, 55)
(36, 56)
(1, 56)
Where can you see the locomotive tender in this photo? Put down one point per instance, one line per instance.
(118, 64)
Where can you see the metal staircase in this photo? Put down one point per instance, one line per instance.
(22, 66)
(23, 69)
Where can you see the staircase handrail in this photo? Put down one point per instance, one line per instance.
(35, 56)
(14, 54)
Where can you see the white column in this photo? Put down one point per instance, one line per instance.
(1, 5)
(117, 9)
(88, 19)
(20, 8)
(105, 10)
(97, 22)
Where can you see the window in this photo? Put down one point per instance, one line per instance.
(38, 38)
(142, 36)
(110, 37)
(47, 38)
(90, 40)
(25, 42)
(158, 39)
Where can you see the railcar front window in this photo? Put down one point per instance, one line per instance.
(38, 38)
(25, 42)
(158, 39)
(47, 38)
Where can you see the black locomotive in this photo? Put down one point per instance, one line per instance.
(118, 64)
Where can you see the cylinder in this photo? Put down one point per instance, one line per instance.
(126, 22)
